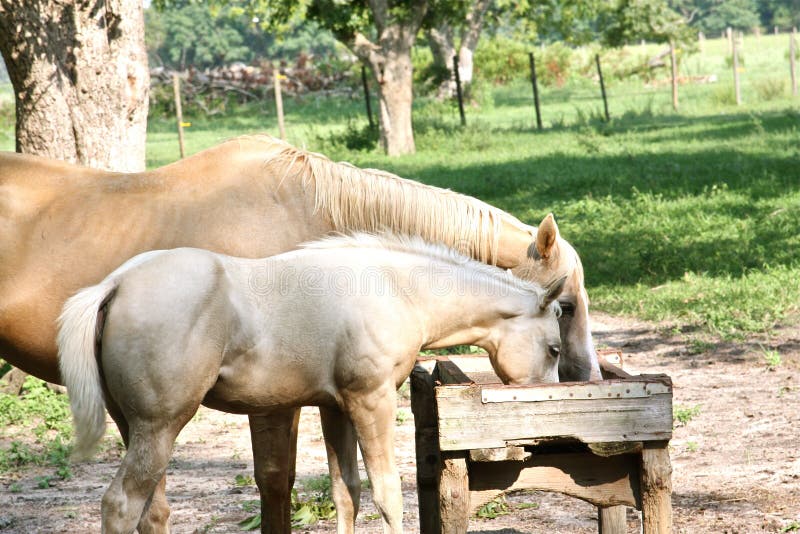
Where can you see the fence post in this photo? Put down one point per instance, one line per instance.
(674, 64)
(276, 77)
(458, 91)
(736, 86)
(729, 34)
(366, 97)
(793, 60)
(176, 89)
(602, 86)
(535, 91)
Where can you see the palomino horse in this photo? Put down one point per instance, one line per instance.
(63, 227)
(336, 324)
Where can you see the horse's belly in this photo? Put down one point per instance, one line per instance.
(252, 387)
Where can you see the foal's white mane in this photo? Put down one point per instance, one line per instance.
(372, 200)
(416, 245)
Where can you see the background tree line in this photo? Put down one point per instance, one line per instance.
(97, 111)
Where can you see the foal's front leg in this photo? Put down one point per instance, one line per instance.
(373, 416)
(274, 440)
(340, 444)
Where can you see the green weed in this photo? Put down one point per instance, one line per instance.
(683, 414)
(243, 480)
(691, 446)
(317, 505)
(699, 346)
(401, 416)
(47, 414)
(771, 357)
(493, 508)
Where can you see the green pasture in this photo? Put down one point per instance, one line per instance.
(690, 217)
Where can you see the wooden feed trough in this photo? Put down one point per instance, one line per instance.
(605, 442)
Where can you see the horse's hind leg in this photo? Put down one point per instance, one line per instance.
(373, 416)
(274, 440)
(155, 516)
(142, 470)
(340, 444)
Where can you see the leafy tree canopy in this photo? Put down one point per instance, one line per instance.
(183, 33)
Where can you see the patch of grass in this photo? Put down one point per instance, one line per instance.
(691, 446)
(792, 526)
(47, 414)
(494, 508)
(315, 505)
(699, 346)
(243, 480)
(401, 416)
(771, 357)
(683, 414)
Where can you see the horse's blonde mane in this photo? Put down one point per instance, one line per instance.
(371, 200)
(434, 251)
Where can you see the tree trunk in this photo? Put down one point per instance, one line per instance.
(80, 78)
(469, 39)
(441, 40)
(389, 58)
(442, 45)
(395, 94)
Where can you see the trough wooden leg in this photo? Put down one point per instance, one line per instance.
(611, 520)
(454, 493)
(656, 487)
(427, 443)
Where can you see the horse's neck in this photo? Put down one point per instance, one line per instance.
(467, 315)
(513, 243)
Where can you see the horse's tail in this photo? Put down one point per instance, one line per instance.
(77, 338)
(79, 333)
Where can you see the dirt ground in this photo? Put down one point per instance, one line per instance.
(736, 463)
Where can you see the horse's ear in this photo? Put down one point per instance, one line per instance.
(553, 290)
(546, 237)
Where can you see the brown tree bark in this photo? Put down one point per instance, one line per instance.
(80, 78)
(389, 58)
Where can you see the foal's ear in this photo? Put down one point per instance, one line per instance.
(546, 237)
(553, 290)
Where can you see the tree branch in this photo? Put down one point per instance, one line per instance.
(472, 31)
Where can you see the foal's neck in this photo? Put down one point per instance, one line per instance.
(470, 318)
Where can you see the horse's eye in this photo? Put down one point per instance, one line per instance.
(567, 308)
(554, 350)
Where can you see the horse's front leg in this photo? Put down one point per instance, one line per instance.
(340, 444)
(274, 439)
(373, 416)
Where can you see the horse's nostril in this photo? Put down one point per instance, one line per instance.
(554, 350)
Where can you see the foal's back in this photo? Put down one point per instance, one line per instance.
(226, 327)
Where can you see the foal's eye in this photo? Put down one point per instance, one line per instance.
(554, 350)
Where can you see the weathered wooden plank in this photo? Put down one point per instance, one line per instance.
(656, 484)
(502, 454)
(625, 389)
(600, 481)
(427, 449)
(611, 520)
(467, 423)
